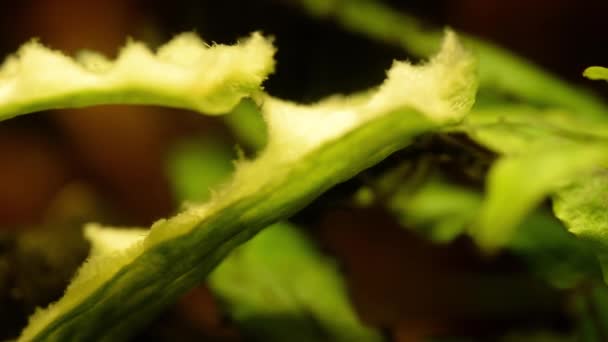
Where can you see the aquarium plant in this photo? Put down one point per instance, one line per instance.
(539, 144)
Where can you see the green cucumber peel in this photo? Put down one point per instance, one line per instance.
(276, 287)
(184, 73)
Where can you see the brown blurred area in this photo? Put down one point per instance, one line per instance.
(119, 152)
(120, 148)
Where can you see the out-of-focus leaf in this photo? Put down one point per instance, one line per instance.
(552, 252)
(247, 124)
(599, 300)
(541, 150)
(596, 73)
(517, 184)
(195, 166)
(511, 129)
(583, 207)
(442, 210)
(590, 306)
(278, 287)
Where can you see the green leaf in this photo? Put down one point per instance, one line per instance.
(517, 184)
(553, 253)
(541, 150)
(583, 208)
(278, 287)
(596, 73)
(184, 73)
(590, 307)
(512, 129)
(196, 166)
(442, 210)
(599, 301)
(309, 149)
(247, 124)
